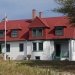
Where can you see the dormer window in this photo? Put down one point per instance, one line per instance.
(37, 32)
(14, 33)
(59, 30)
(1, 33)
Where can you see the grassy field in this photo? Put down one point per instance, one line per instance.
(37, 68)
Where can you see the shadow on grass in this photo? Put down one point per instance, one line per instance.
(59, 65)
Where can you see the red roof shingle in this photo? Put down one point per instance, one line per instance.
(49, 23)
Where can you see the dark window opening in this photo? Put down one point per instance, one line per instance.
(37, 32)
(0, 49)
(59, 31)
(41, 46)
(14, 33)
(21, 47)
(37, 57)
(1, 33)
(7, 47)
(34, 46)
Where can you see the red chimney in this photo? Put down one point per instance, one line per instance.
(40, 14)
(33, 13)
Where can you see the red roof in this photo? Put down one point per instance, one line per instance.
(38, 22)
(60, 21)
(16, 24)
(49, 23)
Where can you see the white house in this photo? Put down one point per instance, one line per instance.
(51, 38)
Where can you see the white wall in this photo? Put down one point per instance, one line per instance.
(72, 50)
(14, 53)
(46, 54)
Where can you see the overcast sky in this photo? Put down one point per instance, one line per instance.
(22, 9)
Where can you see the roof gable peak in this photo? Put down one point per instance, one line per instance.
(39, 22)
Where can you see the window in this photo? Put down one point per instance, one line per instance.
(7, 47)
(0, 49)
(37, 46)
(40, 46)
(21, 47)
(37, 57)
(34, 32)
(14, 33)
(37, 32)
(59, 30)
(34, 46)
(1, 33)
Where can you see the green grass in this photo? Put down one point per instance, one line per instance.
(36, 67)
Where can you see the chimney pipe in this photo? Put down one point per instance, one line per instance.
(33, 13)
(40, 14)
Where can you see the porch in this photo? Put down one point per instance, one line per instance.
(61, 50)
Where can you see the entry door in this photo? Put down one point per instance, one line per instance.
(58, 49)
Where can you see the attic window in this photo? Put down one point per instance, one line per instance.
(14, 33)
(37, 32)
(1, 33)
(59, 30)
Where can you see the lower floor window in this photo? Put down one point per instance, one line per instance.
(0, 49)
(37, 46)
(7, 47)
(40, 46)
(34, 46)
(21, 47)
(37, 57)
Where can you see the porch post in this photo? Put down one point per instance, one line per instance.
(70, 50)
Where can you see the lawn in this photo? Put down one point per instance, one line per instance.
(37, 68)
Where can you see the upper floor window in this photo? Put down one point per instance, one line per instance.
(14, 33)
(1, 33)
(59, 30)
(37, 32)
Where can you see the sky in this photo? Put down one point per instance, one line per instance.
(22, 9)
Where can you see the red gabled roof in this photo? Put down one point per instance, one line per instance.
(16, 24)
(49, 23)
(38, 22)
(60, 21)
(57, 21)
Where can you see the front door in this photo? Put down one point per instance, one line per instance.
(57, 50)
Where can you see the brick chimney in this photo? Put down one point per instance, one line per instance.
(33, 13)
(40, 14)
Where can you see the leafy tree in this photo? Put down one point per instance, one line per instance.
(67, 7)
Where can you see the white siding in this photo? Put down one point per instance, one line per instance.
(72, 50)
(14, 53)
(46, 54)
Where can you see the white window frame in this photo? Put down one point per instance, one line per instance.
(2, 35)
(59, 31)
(36, 34)
(14, 33)
(37, 44)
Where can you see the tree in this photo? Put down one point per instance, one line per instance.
(67, 7)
